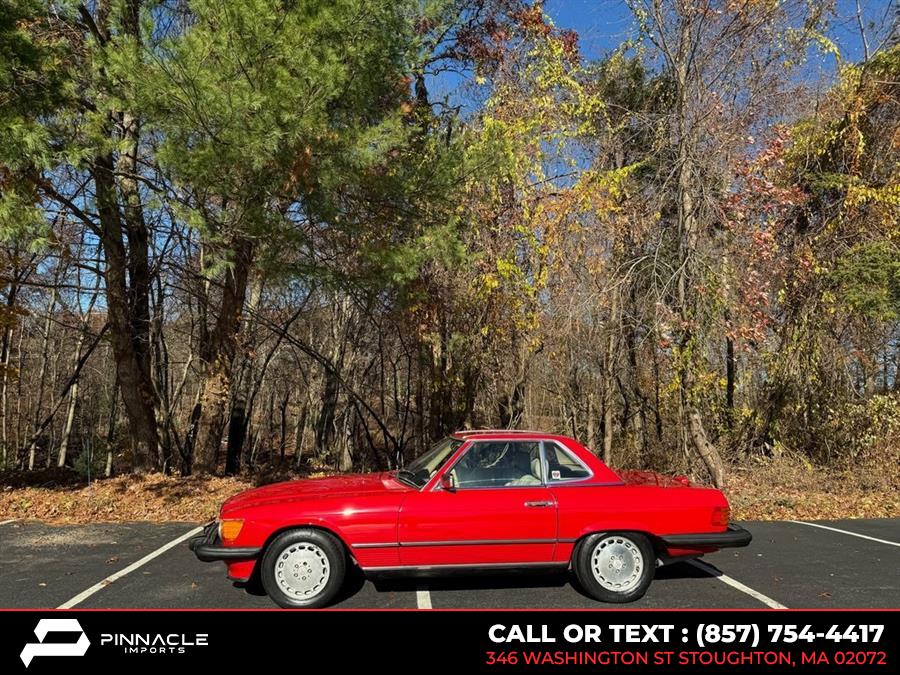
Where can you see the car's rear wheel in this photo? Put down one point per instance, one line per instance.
(303, 568)
(615, 567)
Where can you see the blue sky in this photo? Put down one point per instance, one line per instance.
(604, 24)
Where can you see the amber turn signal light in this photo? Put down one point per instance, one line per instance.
(230, 529)
(720, 515)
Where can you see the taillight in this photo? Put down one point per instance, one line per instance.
(720, 516)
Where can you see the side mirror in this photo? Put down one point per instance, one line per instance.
(447, 483)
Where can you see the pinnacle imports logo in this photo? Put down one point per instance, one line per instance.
(41, 648)
(154, 643)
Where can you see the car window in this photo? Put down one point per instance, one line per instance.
(421, 469)
(498, 464)
(562, 465)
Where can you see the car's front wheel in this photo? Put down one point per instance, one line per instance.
(303, 568)
(615, 567)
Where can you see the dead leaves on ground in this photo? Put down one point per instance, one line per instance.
(153, 497)
(786, 490)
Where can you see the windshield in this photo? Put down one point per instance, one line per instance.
(419, 471)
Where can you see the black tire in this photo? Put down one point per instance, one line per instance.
(629, 544)
(308, 546)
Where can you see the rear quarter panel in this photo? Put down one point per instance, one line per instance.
(649, 509)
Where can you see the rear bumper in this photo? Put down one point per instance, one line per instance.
(208, 547)
(735, 536)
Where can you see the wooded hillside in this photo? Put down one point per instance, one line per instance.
(265, 234)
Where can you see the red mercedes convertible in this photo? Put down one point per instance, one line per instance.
(478, 499)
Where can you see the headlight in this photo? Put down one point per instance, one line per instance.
(230, 529)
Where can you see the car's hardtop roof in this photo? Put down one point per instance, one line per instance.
(524, 434)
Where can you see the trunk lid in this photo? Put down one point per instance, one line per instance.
(652, 479)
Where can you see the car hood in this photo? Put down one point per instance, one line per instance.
(348, 485)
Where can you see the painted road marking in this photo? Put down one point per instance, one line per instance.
(7, 522)
(852, 534)
(734, 583)
(84, 595)
(423, 599)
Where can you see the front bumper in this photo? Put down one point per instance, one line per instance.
(735, 536)
(208, 547)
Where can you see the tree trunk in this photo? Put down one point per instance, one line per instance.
(138, 395)
(345, 463)
(218, 359)
(5, 351)
(609, 376)
(705, 449)
(160, 373)
(282, 443)
(20, 394)
(237, 429)
(589, 435)
(73, 400)
(325, 421)
(247, 385)
(688, 227)
(512, 407)
(730, 370)
(42, 372)
(270, 425)
(607, 429)
(70, 419)
(111, 429)
(639, 418)
(300, 432)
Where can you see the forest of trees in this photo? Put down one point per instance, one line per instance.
(239, 234)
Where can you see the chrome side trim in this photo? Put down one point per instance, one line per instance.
(461, 542)
(477, 542)
(552, 563)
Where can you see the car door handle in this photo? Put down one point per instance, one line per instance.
(537, 505)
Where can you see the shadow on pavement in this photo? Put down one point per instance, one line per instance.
(510, 579)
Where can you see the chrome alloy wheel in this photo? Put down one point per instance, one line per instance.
(302, 570)
(617, 563)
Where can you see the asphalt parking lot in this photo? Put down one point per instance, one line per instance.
(822, 564)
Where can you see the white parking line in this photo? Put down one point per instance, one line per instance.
(852, 534)
(423, 599)
(7, 522)
(734, 583)
(84, 595)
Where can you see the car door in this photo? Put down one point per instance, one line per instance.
(499, 511)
